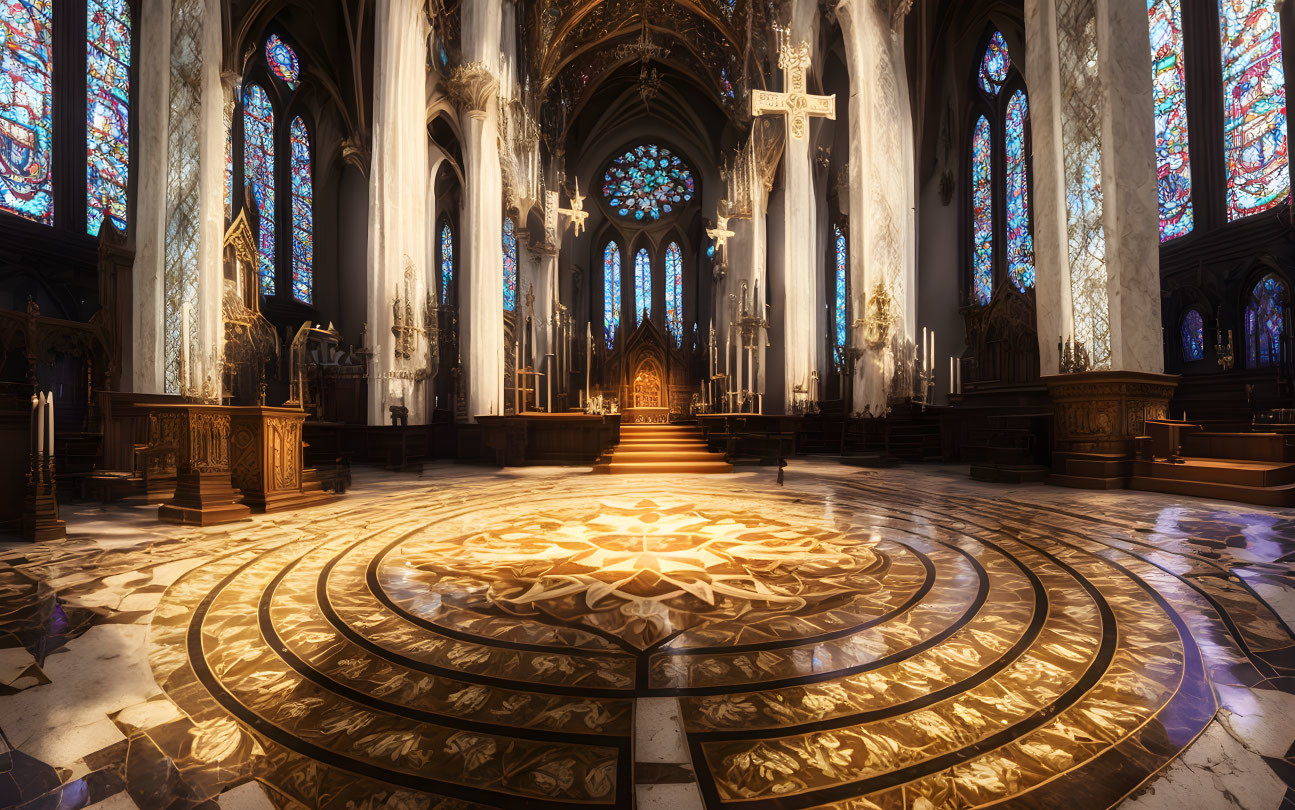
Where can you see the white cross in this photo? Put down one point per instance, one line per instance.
(720, 233)
(794, 102)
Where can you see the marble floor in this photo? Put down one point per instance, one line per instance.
(550, 638)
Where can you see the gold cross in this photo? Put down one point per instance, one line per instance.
(576, 213)
(795, 103)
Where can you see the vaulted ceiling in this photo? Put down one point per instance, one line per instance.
(717, 48)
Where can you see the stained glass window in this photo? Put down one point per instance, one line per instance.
(229, 166)
(982, 213)
(642, 285)
(994, 64)
(1020, 244)
(1169, 92)
(510, 265)
(611, 292)
(646, 182)
(1265, 322)
(258, 174)
(282, 60)
(303, 215)
(674, 291)
(107, 112)
(184, 101)
(1193, 336)
(840, 325)
(447, 263)
(26, 109)
(1254, 106)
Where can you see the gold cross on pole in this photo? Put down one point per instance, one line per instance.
(794, 102)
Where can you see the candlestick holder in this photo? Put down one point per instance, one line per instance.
(1226, 353)
(40, 519)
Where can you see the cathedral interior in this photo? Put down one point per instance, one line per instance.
(658, 404)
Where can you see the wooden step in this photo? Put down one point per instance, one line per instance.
(659, 467)
(621, 455)
(1220, 471)
(1261, 496)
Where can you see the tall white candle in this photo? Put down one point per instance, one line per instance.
(185, 370)
(925, 343)
(951, 374)
(38, 441)
(589, 359)
(49, 429)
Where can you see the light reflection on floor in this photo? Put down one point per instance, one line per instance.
(854, 640)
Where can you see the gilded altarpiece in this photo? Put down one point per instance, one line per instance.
(265, 458)
(204, 495)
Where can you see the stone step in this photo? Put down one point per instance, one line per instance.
(621, 455)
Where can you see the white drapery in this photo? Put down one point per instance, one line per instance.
(397, 206)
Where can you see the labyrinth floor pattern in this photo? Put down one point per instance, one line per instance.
(861, 641)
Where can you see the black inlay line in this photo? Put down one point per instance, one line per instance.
(362, 641)
(380, 594)
(849, 790)
(1038, 619)
(322, 680)
(1255, 658)
(231, 704)
(1221, 572)
(928, 581)
(982, 593)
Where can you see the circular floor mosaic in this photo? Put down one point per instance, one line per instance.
(850, 644)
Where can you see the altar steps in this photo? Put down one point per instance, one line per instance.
(661, 449)
(1257, 468)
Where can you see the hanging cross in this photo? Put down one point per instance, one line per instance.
(794, 102)
(576, 213)
(720, 233)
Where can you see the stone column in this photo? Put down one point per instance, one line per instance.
(1096, 230)
(397, 207)
(796, 290)
(147, 349)
(882, 225)
(1096, 250)
(481, 307)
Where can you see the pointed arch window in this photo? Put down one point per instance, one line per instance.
(1001, 221)
(1265, 322)
(674, 292)
(258, 174)
(282, 60)
(642, 285)
(510, 265)
(611, 292)
(1193, 336)
(26, 106)
(303, 196)
(446, 261)
(840, 296)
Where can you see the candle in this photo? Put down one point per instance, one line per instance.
(589, 358)
(49, 405)
(959, 375)
(38, 428)
(184, 348)
(951, 361)
(924, 345)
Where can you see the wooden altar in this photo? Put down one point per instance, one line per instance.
(652, 382)
(199, 434)
(265, 459)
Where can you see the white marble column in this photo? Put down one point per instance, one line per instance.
(397, 205)
(481, 288)
(882, 224)
(1096, 252)
(147, 349)
(797, 292)
(210, 334)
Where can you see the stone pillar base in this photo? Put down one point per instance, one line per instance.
(1097, 415)
(203, 499)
